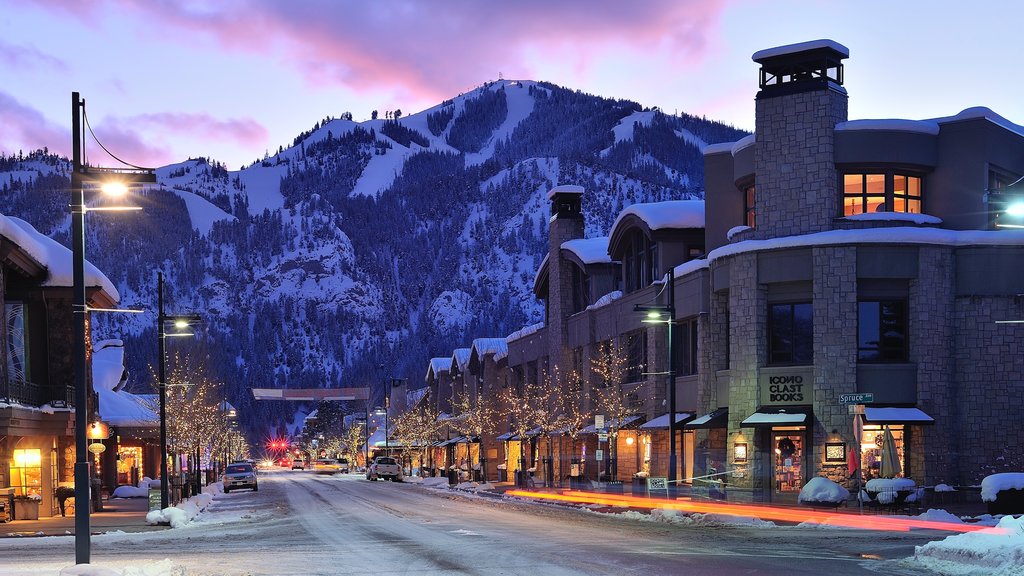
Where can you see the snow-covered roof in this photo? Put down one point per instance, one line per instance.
(897, 217)
(894, 125)
(484, 346)
(606, 299)
(670, 214)
(523, 332)
(800, 47)
(460, 358)
(117, 407)
(412, 397)
(898, 235)
(589, 250)
(730, 147)
(565, 189)
(982, 112)
(438, 365)
(51, 254)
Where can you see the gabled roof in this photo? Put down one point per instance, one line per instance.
(460, 359)
(486, 346)
(438, 365)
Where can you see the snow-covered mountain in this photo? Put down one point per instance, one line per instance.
(366, 248)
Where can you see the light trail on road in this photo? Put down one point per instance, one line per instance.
(888, 523)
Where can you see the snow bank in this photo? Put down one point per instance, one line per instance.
(183, 513)
(435, 482)
(996, 483)
(990, 552)
(821, 489)
(130, 492)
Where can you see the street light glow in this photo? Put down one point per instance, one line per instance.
(1016, 209)
(181, 323)
(114, 188)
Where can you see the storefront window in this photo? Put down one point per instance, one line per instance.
(129, 465)
(26, 472)
(871, 449)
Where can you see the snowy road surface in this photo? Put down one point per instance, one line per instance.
(302, 523)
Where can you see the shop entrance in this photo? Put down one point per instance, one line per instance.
(129, 463)
(787, 444)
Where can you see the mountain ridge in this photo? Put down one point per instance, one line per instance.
(369, 244)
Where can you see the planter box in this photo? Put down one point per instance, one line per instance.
(1007, 502)
(26, 509)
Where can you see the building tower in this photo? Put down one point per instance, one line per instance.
(801, 99)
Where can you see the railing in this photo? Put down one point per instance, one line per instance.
(23, 392)
(32, 394)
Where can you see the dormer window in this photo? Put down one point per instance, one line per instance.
(640, 263)
(881, 191)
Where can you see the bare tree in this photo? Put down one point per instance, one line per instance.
(611, 366)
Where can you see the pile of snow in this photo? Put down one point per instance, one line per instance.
(159, 568)
(996, 483)
(474, 486)
(821, 489)
(435, 482)
(937, 515)
(130, 492)
(944, 488)
(992, 552)
(183, 513)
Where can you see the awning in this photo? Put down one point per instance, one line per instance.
(896, 416)
(506, 436)
(717, 419)
(768, 416)
(661, 422)
(611, 423)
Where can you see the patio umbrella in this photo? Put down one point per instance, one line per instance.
(890, 466)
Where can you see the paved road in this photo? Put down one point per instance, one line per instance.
(302, 523)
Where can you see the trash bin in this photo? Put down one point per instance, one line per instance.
(453, 477)
(502, 475)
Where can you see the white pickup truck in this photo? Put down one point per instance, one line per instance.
(384, 467)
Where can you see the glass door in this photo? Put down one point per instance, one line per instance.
(788, 470)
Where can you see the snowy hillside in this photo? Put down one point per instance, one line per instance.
(366, 248)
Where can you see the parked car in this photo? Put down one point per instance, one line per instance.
(298, 465)
(240, 475)
(385, 467)
(343, 466)
(326, 466)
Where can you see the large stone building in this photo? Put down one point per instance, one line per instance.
(840, 278)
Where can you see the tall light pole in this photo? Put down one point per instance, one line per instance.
(656, 315)
(79, 302)
(179, 321)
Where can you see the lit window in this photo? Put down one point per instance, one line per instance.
(881, 192)
(749, 195)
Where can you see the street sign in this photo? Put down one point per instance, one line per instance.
(598, 455)
(599, 421)
(861, 398)
(602, 437)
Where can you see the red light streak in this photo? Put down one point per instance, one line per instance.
(890, 523)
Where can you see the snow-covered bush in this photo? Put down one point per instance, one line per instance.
(821, 490)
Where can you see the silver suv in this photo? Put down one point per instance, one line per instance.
(384, 467)
(240, 475)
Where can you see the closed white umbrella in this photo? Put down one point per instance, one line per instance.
(890, 466)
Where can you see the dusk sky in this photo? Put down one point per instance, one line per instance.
(233, 79)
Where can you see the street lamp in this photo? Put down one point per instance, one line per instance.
(79, 175)
(180, 322)
(657, 314)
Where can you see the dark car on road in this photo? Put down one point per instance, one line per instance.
(240, 475)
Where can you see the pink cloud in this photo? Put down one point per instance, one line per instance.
(433, 49)
(29, 57)
(25, 128)
(242, 131)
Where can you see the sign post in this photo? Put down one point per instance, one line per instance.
(657, 483)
